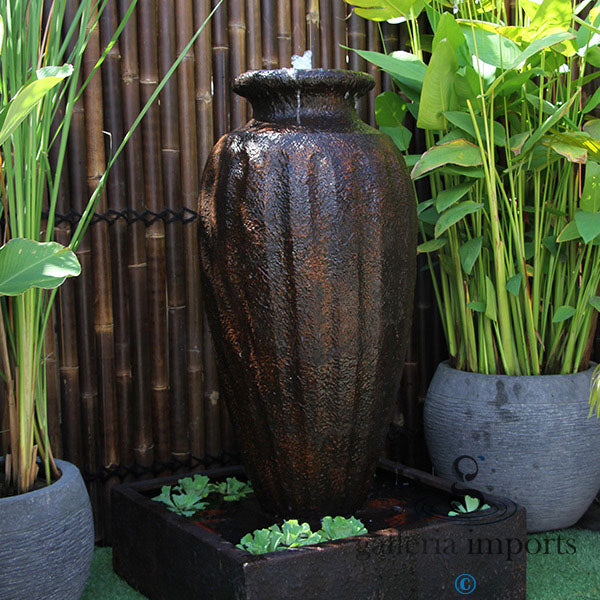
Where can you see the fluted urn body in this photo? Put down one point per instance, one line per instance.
(307, 241)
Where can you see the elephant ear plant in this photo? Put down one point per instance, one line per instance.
(512, 225)
(41, 50)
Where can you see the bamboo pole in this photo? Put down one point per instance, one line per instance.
(221, 120)
(143, 445)
(84, 298)
(155, 233)
(220, 64)
(298, 19)
(339, 34)
(199, 358)
(237, 59)
(313, 33)
(284, 34)
(53, 387)
(389, 43)
(189, 195)
(269, 41)
(326, 29)
(115, 191)
(253, 35)
(100, 243)
(357, 38)
(66, 320)
(374, 44)
(176, 295)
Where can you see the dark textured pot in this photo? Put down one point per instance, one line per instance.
(307, 240)
(47, 540)
(524, 437)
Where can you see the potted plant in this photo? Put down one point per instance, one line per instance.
(511, 230)
(46, 529)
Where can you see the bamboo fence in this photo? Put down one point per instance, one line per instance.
(132, 381)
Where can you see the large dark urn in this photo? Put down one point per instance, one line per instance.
(307, 241)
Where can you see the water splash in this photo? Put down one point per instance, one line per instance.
(298, 106)
(302, 62)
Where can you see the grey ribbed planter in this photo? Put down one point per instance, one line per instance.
(529, 435)
(47, 540)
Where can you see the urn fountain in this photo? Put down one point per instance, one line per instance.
(308, 242)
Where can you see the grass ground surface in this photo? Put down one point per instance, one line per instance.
(559, 574)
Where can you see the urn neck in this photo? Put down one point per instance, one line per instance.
(316, 98)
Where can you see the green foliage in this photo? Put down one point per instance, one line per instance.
(232, 489)
(333, 528)
(512, 157)
(184, 504)
(26, 263)
(186, 498)
(469, 505)
(42, 45)
(292, 534)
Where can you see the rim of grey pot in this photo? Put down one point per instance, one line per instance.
(446, 364)
(256, 83)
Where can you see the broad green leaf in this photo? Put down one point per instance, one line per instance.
(541, 104)
(458, 152)
(447, 198)
(590, 197)
(476, 306)
(516, 142)
(431, 245)
(588, 224)
(574, 154)
(592, 128)
(424, 205)
(405, 67)
(469, 253)
(455, 214)
(513, 81)
(489, 46)
(390, 109)
(448, 29)
(551, 17)
(562, 313)
(549, 242)
(595, 302)
(569, 232)
(401, 136)
(465, 122)
(430, 216)
(28, 97)
(490, 300)
(386, 10)
(577, 146)
(540, 45)
(26, 263)
(438, 95)
(474, 172)
(513, 285)
(1, 34)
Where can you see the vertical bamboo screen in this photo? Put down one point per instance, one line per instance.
(131, 372)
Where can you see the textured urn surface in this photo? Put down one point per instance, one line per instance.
(530, 435)
(307, 241)
(47, 540)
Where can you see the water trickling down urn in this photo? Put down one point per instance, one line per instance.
(307, 239)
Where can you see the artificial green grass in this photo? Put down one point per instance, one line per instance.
(551, 575)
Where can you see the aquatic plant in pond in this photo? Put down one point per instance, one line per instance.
(292, 534)
(187, 497)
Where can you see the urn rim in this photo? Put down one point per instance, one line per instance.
(318, 81)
